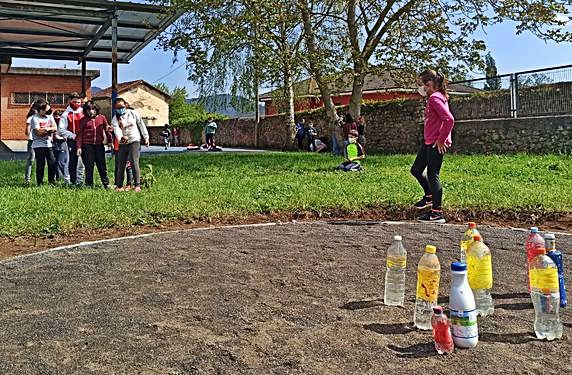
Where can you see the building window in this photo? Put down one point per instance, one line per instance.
(28, 98)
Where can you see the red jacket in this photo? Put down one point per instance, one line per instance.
(92, 131)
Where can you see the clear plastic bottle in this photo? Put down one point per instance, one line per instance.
(464, 328)
(533, 243)
(480, 275)
(556, 257)
(545, 296)
(394, 292)
(428, 277)
(441, 331)
(467, 240)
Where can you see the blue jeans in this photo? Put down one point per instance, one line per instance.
(61, 154)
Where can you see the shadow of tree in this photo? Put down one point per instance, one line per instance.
(358, 305)
(509, 338)
(389, 329)
(422, 350)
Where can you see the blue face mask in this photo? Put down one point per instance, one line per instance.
(120, 111)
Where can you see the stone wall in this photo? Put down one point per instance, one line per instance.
(551, 134)
(397, 127)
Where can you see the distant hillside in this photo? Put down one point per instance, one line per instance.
(95, 90)
(222, 104)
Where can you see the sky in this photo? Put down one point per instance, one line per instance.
(512, 53)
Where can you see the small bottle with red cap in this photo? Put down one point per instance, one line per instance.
(467, 240)
(441, 331)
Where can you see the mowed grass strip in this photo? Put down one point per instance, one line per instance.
(197, 186)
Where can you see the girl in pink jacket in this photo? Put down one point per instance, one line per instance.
(437, 130)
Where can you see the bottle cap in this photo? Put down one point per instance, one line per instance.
(477, 237)
(397, 238)
(437, 310)
(458, 266)
(533, 230)
(430, 249)
(472, 224)
(549, 236)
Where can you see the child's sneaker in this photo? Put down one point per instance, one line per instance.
(137, 189)
(117, 188)
(128, 187)
(423, 203)
(432, 217)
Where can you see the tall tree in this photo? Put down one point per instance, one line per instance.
(493, 82)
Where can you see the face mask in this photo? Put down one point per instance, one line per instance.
(421, 90)
(120, 111)
(75, 106)
(351, 140)
(92, 113)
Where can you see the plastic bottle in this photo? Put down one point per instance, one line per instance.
(480, 275)
(464, 326)
(394, 292)
(545, 297)
(556, 257)
(428, 276)
(533, 243)
(441, 331)
(467, 240)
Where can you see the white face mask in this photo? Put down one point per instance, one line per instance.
(421, 90)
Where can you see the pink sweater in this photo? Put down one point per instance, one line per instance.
(439, 121)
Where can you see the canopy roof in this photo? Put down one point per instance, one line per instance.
(78, 29)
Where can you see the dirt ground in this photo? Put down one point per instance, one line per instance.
(299, 298)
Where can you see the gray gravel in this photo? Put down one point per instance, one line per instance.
(295, 298)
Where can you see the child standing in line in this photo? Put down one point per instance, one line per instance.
(30, 156)
(61, 153)
(438, 126)
(43, 126)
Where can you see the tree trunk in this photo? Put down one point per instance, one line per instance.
(357, 91)
(317, 71)
(289, 88)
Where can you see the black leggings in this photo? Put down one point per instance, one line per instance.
(128, 152)
(430, 158)
(45, 155)
(94, 155)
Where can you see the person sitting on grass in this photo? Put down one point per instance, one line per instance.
(354, 153)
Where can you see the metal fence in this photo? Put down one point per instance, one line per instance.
(531, 93)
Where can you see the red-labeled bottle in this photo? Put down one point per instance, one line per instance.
(441, 331)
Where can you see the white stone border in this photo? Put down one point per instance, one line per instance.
(88, 243)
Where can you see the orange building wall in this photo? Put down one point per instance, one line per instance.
(13, 116)
(339, 100)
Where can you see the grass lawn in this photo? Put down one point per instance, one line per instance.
(194, 186)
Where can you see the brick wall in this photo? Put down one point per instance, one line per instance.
(397, 127)
(13, 116)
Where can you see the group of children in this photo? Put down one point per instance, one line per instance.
(74, 141)
(309, 133)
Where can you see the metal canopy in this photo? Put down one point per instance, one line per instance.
(78, 30)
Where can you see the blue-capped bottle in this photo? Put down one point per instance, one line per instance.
(556, 257)
(462, 308)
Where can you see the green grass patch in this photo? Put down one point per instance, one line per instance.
(195, 186)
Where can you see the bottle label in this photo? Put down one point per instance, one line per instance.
(396, 262)
(545, 279)
(480, 272)
(464, 324)
(428, 285)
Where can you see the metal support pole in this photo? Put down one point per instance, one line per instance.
(83, 78)
(113, 62)
(513, 95)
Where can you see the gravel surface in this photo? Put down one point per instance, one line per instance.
(280, 299)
